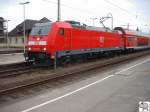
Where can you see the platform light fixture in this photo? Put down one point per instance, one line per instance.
(7, 42)
(58, 10)
(24, 25)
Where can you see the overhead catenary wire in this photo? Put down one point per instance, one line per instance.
(87, 11)
(122, 9)
(125, 10)
(92, 13)
(74, 8)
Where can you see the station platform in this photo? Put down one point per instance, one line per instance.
(6, 50)
(11, 58)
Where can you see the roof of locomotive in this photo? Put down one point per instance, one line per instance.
(76, 24)
(137, 33)
(131, 32)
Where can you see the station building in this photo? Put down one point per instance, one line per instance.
(16, 38)
(2, 29)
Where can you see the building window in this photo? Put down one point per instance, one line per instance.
(16, 40)
(10, 40)
(22, 40)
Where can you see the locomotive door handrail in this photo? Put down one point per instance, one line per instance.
(70, 39)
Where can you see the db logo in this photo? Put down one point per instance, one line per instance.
(144, 106)
(101, 39)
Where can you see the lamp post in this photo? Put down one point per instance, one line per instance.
(24, 25)
(7, 42)
(58, 10)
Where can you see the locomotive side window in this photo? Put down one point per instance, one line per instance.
(61, 31)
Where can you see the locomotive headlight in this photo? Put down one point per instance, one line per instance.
(44, 49)
(38, 39)
(29, 48)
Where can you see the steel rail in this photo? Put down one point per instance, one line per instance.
(76, 70)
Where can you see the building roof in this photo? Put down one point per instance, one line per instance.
(2, 26)
(2, 19)
(2, 29)
(44, 20)
(18, 30)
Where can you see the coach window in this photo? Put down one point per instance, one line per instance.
(131, 38)
(61, 31)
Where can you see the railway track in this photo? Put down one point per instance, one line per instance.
(15, 69)
(70, 71)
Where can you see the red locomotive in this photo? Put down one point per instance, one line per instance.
(71, 39)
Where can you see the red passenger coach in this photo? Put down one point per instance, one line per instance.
(136, 40)
(131, 39)
(71, 39)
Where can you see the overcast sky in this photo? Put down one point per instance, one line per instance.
(134, 12)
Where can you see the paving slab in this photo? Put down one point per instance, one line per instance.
(11, 58)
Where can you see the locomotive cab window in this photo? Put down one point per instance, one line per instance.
(41, 29)
(61, 31)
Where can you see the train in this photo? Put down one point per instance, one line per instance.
(68, 40)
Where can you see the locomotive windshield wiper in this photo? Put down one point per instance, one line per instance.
(39, 32)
